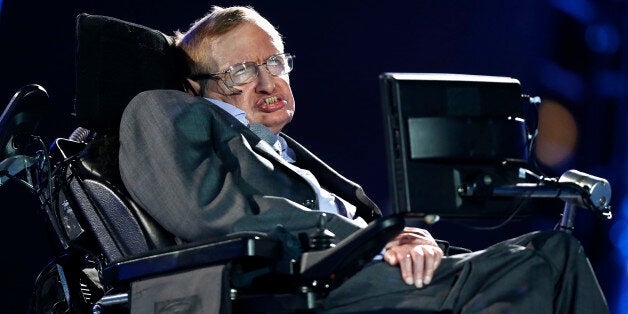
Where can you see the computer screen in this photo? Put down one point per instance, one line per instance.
(447, 132)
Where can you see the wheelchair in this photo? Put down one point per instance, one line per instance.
(113, 257)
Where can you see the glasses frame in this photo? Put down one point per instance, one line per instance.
(218, 75)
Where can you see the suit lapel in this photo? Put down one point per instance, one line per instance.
(334, 181)
(258, 145)
(327, 177)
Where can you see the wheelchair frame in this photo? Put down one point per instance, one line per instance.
(108, 244)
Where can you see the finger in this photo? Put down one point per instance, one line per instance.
(401, 239)
(415, 230)
(405, 265)
(390, 258)
(430, 260)
(405, 239)
(411, 238)
(418, 261)
(439, 257)
(391, 244)
(394, 242)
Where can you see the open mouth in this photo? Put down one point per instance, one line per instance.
(271, 104)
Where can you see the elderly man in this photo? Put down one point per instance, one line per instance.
(214, 161)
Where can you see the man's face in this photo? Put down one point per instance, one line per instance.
(248, 42)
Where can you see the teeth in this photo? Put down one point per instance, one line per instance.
(270, 100)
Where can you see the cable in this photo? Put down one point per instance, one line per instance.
(503, 223)
(518, 207)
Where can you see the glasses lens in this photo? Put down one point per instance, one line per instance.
(246, 72)
(279, 64)
(242, 73)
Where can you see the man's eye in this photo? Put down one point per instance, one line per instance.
(276, 61)
(240, 70)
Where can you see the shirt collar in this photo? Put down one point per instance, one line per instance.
(231, 109)
(286, 152)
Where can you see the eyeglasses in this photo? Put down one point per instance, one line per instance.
(246, 72)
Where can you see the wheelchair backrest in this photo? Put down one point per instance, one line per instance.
(93, 207)
(115, 60)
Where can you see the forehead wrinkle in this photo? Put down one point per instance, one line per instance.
(249, 51)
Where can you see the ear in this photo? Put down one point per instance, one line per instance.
(192, 87)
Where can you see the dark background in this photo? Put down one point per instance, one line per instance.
(573, 52)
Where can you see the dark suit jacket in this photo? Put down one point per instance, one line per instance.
(201, 173)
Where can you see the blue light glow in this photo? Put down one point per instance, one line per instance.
(569, 84)
(619, 231)
(610, 83)
(619, 237)
(622, 303)
(602, 38)
(581, 10)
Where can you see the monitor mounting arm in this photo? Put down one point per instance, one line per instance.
(574, 187)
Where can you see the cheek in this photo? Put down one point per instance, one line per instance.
(294, 105)
(284, 83)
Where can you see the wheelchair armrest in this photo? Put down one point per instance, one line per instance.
(341, 261)
(352, 253)
(249, 244)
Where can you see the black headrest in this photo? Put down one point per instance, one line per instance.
(116, 60)
(20, 119)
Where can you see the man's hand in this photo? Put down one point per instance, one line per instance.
(417, 255)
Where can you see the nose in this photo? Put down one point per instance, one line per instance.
(265, 81)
